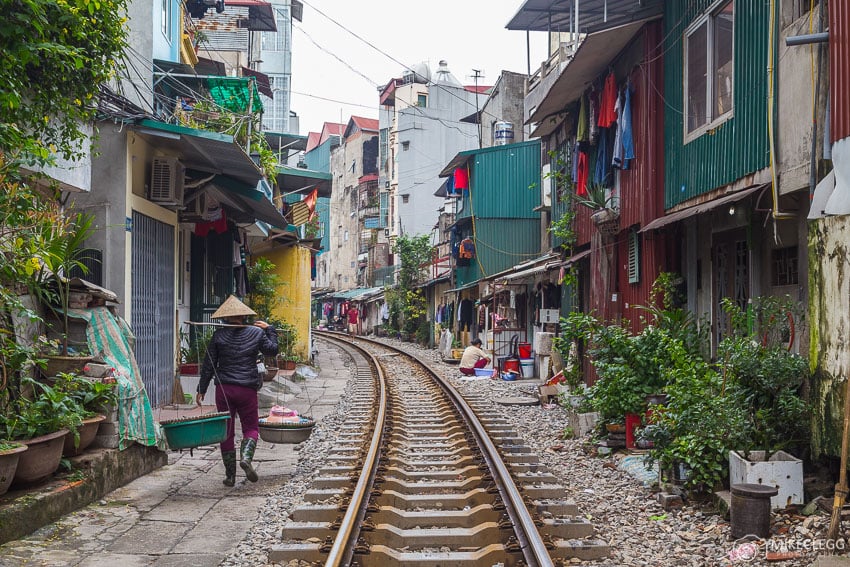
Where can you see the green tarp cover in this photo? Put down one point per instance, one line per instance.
(110, 335)
(233, 93)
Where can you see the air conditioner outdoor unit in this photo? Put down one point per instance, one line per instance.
(546, 183)
(167, 181)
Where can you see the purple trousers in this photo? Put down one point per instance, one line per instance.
(242, 401)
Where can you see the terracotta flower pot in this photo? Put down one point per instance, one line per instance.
(87, 431)
(288, 364)
(8, 464)
(41, 459)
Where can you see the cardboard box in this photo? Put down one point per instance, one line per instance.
(548, 394)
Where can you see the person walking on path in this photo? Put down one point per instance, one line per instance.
(473, 357)
(231, 362)
(353, 320)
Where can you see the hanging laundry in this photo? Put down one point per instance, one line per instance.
(593, 104)
(450, 187)
(624, 145)
(603, 161)
(617, 151)
(454, 239)
(628, 138)
(467, 249)
(219, 225)
(461, 179)
(581, 132)
(607, 116)
(582, 174)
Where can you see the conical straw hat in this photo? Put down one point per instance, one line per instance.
(232, 307)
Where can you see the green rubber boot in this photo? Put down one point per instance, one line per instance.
(229, 458)
(246, 456)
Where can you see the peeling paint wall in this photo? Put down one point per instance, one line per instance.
(829, 351)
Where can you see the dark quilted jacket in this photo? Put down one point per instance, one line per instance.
(232, 356)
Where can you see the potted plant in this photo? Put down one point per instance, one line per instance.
(600, 201)
(60, 253)
(192, 350)
(10, 453)
(94, 397)
(40, 421)
(757, 359)
(287, 336)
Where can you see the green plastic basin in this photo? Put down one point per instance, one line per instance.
(196, 432)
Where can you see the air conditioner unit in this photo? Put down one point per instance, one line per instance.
(166, 181)
(546, 183)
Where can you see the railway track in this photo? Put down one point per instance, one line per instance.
(423, 477)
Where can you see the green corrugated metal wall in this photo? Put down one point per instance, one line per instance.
(319, 158)
(505, 181)
(737, 147)
(499, 245)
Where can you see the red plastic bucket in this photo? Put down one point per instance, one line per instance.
(511, 364)
(632, 423)
(524, 350)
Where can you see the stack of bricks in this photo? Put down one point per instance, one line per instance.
(107, 434)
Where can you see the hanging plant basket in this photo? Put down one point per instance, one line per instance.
(607, 221)
(196, 431)
(289, 432)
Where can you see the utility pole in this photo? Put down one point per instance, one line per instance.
(476, 76)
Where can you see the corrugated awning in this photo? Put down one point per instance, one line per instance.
(296, 180)
(701, 208)
(594, 15)
(263, 83)
(253, 203)
(593, 56)
(461, 288)
(260, 15)
(201, 150)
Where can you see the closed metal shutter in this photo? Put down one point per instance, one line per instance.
(153, 306)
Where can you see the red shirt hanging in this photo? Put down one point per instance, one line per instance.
(607, 114)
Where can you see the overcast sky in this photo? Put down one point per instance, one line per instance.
(330, 62)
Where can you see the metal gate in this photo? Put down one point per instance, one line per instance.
(153, 306)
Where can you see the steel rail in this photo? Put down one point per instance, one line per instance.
(342, 548)
(532, 544)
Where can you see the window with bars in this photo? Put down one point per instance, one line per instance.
(634, 257)
(784, 267)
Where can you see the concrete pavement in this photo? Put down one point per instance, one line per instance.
(181, 514)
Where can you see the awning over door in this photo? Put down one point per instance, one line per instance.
(702, 208)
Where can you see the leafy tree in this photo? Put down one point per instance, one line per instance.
(54, 56)
(407, 302)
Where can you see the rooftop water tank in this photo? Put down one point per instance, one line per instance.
(503, 133)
